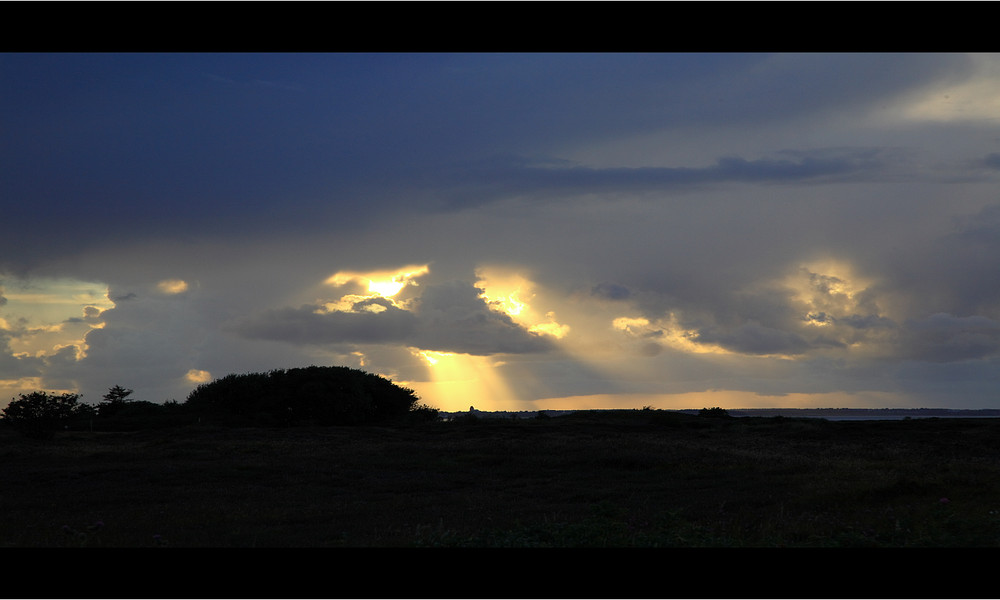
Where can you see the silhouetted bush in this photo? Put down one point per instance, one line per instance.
(305, 396)
(423, 414)
(40, 414)
(715, 411)
(465, 417)
(138, 415)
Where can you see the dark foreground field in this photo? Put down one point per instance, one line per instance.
(642, 478)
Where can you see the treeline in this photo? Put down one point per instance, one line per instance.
(279, 398)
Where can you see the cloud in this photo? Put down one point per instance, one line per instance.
(971, 94)
(952, 272)
(17, 366)
(611, 291)
(198, 376)
(501, 177)
(864, 322)
(992, 161)
(943, 337)
(641, 223)
(309, 325)
(754, 338)
(446, 317)
(173, 286)
(261, 159)
(455, 317)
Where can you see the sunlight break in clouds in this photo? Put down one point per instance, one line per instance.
(44, 317)
(383, 283)
(509, 292)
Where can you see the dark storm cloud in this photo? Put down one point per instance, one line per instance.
(455, 317)
(949, 383)
(448, 317)
(108, 147)
(864, 322)
(954, 273)
(754, 338)
(304, 325)
(512, 176)
(14, 367)
(146, 145)
(946, 338)
(611, 291)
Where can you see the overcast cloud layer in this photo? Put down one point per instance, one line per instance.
(541, 230)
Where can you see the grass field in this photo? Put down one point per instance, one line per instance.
(636, 479)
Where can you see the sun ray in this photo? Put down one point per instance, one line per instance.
(458, 381)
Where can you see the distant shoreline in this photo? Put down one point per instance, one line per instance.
(859, 414)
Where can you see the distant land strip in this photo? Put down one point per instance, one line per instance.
(827, 413)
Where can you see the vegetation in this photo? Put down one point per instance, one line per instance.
(307, 396)
(714, 412)
(114, 401)
(41, 414)
(322, 396)
(641, 478)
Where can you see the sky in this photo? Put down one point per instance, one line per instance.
(509, 231)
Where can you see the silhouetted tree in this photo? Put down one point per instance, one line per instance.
(41, 414)
(310, 395)
(117, 394)
(114, 401)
